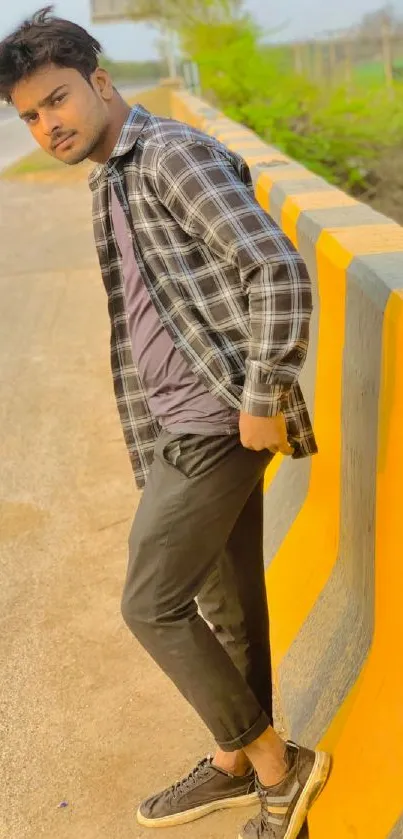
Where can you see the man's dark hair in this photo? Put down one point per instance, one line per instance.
(41, 40)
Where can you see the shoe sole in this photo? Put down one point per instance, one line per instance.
(312, 790)
(198, 812)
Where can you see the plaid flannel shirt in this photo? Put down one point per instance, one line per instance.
(229, 287)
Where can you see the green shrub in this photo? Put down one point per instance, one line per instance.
(338, 133)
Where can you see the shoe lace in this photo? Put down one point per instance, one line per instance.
(191, 780)
(265, 828)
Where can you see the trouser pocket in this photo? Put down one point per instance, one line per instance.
(194, 455)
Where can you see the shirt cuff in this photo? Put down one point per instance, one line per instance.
(261, 398)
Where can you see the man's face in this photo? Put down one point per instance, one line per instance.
(67, 116)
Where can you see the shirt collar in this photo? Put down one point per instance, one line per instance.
(129, 135)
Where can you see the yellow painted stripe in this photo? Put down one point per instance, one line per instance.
(290, 214)
(262, 192)
(181, 112)
(368, 747)
(294, 205)
(363, 239)
(232, 133)
(237, 144)
(269, 177)
(272, 470)
(217, 129)
(302, 566)
(185, 107)
(321, 200)
(291, 172)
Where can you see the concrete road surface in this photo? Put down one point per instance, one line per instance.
(88, 724)
(15, 139)
(6, 113)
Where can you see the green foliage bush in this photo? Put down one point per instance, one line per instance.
(338, 133)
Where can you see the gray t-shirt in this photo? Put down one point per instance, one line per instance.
(177, 397)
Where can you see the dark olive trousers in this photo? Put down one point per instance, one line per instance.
(197, 539)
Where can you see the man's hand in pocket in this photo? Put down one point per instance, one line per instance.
(259, 433)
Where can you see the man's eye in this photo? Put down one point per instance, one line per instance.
(32, 119)
(58, 99)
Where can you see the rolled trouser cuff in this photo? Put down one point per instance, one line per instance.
(257, 729)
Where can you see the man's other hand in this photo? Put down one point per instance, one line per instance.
(259, 433)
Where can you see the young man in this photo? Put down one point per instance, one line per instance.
(210, 307)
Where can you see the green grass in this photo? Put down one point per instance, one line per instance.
(34, 163)
(373, 72)
(39, 163)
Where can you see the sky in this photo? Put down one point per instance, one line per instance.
(297, 19)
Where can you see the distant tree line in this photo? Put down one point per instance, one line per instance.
(134, 71)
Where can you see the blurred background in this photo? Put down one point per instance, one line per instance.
(324, 84)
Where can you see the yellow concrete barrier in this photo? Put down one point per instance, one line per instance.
(334, 536)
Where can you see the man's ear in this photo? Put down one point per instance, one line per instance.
(102, 82)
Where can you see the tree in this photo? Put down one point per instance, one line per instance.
(182, 14)
(372, 23)
(174, 17)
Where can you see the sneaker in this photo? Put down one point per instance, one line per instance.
(205, 790)
(284, 807)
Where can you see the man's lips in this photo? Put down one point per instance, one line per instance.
(62, 140)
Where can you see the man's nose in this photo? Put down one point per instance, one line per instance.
(50, 123)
